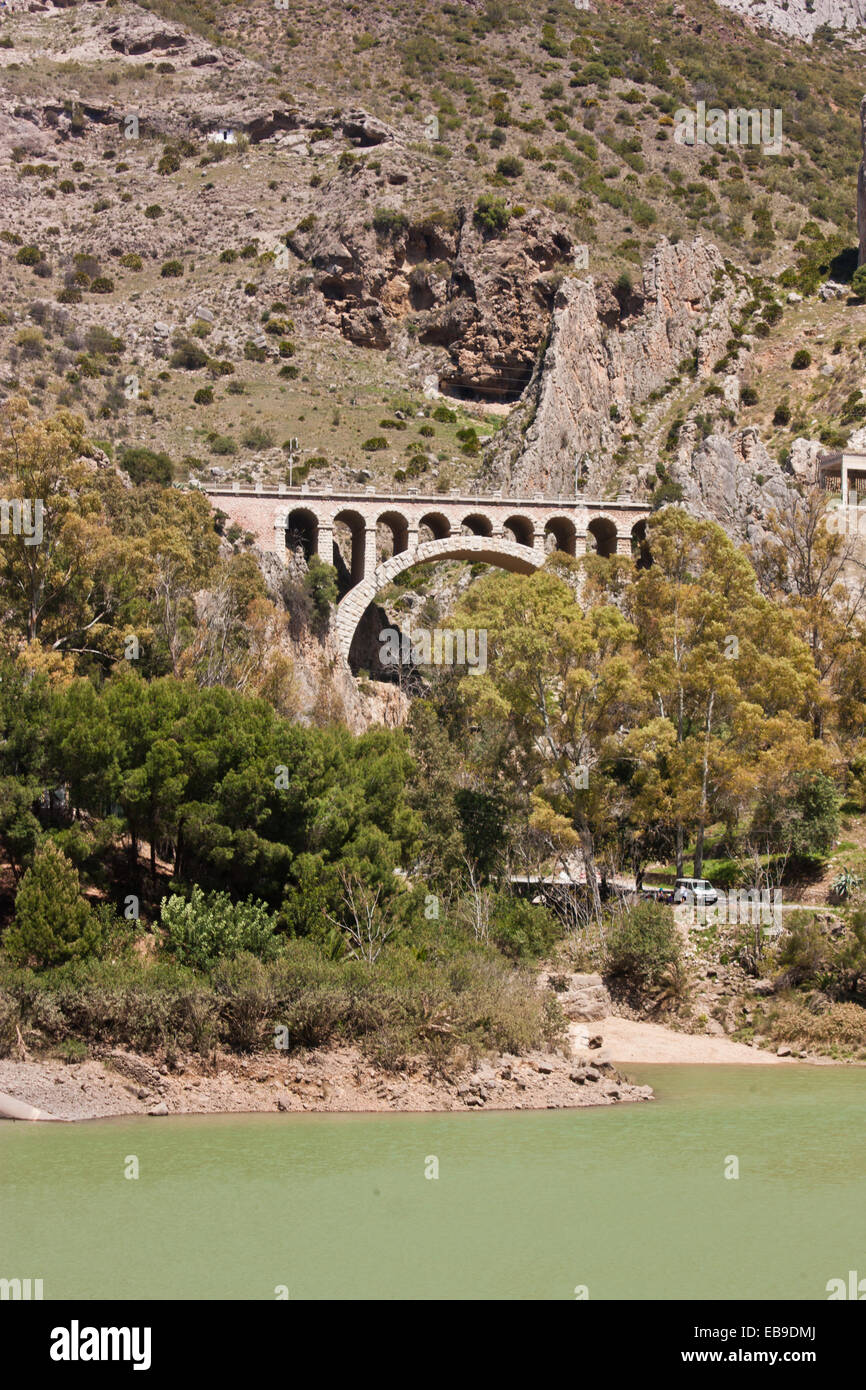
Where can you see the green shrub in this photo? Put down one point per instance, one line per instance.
(145, 466)
(31, 342)
(222, 445)
(203, 396)
(389, 222)
(643, 945)
(510, 167)
(802, 358)
(522, 930)
(171, 270)
(320, 582)
(805, 952)
(375, 444)
(208, 927)
(491, 215)
(28, 255)
(257, 438)
(188, 355)
(131, 261)
(102, 341)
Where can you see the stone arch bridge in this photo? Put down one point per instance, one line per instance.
(515, 533)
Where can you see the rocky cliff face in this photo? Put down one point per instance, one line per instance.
(732, 479)
(800, 18)
(485, 300)
(608, 351)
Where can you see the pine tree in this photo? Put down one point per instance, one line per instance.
(53, 923)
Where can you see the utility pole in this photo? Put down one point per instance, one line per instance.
(293, 444)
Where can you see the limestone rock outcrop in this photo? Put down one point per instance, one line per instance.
(800, 18)
(582, 998)
(803, 458)
(500, 295)
(734, 481)
(485, 300)
(609, 351)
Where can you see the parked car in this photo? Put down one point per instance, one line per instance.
(695, 890)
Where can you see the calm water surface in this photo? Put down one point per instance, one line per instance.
(629, 1200)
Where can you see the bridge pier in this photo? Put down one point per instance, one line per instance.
(325, 545)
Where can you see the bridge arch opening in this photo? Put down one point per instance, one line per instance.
(350, 531)
(560, 534)
(433, 527)
(602, 532)
(520, 529)
(476, 525)
(358, 633)
(392, 534)
(302, 532)
(640, 546)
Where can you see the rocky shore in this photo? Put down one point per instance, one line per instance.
(340, 1079)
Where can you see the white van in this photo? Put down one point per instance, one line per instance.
(695, 890)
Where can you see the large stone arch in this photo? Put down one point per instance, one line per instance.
(489, 550)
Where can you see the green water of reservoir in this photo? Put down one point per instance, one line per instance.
(629, 1200)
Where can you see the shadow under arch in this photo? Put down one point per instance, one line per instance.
(350, 530)
(601, 532)
(302, 531)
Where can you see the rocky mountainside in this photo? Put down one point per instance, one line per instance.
(431, 244)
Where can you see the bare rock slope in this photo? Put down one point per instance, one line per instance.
(609, 350)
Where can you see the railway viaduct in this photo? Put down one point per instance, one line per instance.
(515, 533)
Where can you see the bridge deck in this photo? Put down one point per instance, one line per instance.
(409, 496)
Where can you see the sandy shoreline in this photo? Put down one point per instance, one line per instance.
(629, 1040)
(343, 1080)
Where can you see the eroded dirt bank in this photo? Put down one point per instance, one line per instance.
(340, 1079)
